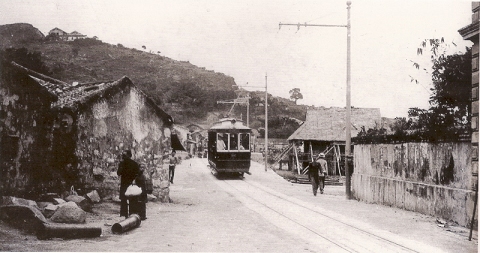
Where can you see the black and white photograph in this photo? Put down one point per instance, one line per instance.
(239, 126)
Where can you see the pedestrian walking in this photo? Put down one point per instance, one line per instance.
(313, 170)
(128, 170)
(323, 171)
(173, 160)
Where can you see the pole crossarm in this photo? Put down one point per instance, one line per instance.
(305, 24)
(348, 102)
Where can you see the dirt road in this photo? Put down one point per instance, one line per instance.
(261, 213)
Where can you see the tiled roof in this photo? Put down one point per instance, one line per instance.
(75, 95)
(328, 124)
(54, 88)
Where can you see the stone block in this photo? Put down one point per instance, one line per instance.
(475, 107)
(475, 137)
(93, 196)
(82, 202)
(475, 93)
(97, 171)
(474, 123)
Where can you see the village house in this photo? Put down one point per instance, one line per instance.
(324, 131)
(196, 139)
(62, 35)
(56, 135)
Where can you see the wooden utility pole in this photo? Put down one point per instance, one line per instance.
(348, 106)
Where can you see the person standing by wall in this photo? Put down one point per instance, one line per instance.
(140, 206)
(128, 170)
(322, 171)
(173, 160)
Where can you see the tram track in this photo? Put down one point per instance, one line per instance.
(316, 225)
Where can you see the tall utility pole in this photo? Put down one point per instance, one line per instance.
(348, 107)
(266, 123)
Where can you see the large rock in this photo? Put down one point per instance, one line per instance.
(69, 213)
(26, 218)
(82, 202)
(9, 200)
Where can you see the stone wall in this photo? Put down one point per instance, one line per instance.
(119, 122)
(24, 136)
(433, 179)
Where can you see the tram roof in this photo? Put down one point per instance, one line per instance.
(229, 123)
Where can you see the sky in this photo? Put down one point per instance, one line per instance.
(243, 39)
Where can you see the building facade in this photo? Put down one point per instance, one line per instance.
(470, 32)
(67, 135)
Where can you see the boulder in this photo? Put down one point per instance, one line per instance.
(93, 196)
(10, 200)
(82, 202)
(26, 218)
(68, 213)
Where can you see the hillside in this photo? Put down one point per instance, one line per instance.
(186, 91)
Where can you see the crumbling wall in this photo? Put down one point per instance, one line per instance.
(430, 178)
(24, 137)
(115, 123)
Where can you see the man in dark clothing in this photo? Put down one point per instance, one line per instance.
(138, 204)
(128, 170)
(313, 169)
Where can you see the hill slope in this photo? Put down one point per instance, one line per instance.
(184, 90)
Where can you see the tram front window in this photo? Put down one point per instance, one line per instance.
(244, 141)
(233, 142)
(221, 140)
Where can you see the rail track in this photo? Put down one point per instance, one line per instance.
(328, 232)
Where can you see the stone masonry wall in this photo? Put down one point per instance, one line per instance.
(123, 121)
(433, 179)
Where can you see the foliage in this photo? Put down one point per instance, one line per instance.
(448, 116)
(450, 95)
(31, 60)
(295, 94)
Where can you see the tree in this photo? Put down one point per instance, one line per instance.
(295, 94)
(450, 95)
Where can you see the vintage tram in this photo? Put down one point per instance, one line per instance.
(229, 147)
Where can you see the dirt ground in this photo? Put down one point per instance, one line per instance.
(204, 217)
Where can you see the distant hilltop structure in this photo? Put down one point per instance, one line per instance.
(62, 35)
